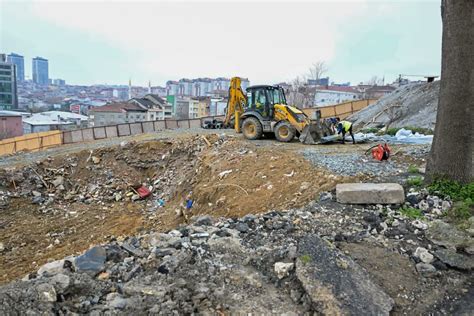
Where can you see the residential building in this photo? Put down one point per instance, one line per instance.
(319, 82)
(377, 92)
(59, 82)
(193, 108)
(19, 62)
(161, 91)
(120, 93)
(40, 71)
(53, 120)
(201, 87)
(158, 108)
(335, 94)
(217, 106)
(8, 85)
(171, 99)
(185, 87)
(10, 124)
(203, 106)
(172, 88)
(182, 108)
(116, 113)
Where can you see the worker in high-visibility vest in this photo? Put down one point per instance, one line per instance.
(344, 127)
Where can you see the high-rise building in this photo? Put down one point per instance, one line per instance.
(40, 71)
(8, 89)
(19, 62)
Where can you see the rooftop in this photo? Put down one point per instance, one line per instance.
(54, 118)
(118, 107)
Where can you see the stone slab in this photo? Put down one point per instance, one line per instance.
(370, 193)
(335, 284)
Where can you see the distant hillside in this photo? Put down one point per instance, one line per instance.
(410, 105)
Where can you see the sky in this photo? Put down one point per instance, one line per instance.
(110, 42)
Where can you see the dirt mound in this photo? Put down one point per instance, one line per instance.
(60, 206)
(413, 105)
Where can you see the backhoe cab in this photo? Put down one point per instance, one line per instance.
(263, 110)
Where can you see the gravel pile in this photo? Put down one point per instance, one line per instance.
(411, 105)
(352, 164)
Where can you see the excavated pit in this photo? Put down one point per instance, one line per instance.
(64, 204)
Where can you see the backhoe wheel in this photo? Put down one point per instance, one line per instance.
(252, 129)
(284, 132)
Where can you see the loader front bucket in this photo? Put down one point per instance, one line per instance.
(314, 132)
(310, 135)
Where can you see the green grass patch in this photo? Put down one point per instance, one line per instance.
(411, 212)
(392, 131)
(305, 259)
(461, 194)
(415, 181)
(453, 189)
(413, 169)
(370, 130)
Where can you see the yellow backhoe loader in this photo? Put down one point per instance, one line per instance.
(263, 110)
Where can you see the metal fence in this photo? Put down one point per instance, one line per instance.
(341, 110)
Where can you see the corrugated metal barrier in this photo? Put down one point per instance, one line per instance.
(43, 140)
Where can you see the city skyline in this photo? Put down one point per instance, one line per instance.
(167, 41)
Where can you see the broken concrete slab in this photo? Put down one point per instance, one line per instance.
(92, 261)
(370, 193)
(455, 260)
(449, 236)
(335, 284)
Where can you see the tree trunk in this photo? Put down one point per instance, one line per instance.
(451, 152)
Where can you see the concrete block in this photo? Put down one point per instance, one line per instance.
(370, 193)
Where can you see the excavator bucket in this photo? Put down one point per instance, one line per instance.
(314, 132)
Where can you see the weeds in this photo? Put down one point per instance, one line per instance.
(413, 169)
(411, 212)
(305, 259)
(370, 130)
(462, 195)
(392, 131)
(415, 181)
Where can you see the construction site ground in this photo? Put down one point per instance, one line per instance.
(224, 175)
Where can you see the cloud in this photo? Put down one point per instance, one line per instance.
(170, 40)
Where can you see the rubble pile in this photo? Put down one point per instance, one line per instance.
(324, 257)
(61, 205)
(413, 105)
(106, 175)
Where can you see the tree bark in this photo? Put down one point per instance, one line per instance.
(451, 154)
